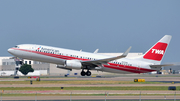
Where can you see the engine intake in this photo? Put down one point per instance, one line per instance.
(73, 64)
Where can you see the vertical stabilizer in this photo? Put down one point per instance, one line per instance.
(155, 53)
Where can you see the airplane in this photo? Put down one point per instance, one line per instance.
(72, 59)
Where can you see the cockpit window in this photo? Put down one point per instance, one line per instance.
(16, 47)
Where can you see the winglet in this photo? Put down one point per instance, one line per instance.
(96, 51)
(126, 52)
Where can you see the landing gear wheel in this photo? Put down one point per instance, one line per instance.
(88, 73)
(83, 73)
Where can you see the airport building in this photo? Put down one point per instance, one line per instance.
(172, 69)
(7, 66)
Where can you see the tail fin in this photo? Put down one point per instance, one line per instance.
(155, 53)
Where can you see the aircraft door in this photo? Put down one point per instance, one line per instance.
(138, 66)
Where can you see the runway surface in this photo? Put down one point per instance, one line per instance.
(177, 78)
(75, 85)
(88, 92)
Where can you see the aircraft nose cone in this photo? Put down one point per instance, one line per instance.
(10, 50)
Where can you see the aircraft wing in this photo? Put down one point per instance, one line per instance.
(158, 67)
(106, 60)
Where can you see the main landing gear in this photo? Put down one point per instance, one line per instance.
(83, 73)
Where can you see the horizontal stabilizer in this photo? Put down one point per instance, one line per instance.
(158, 67)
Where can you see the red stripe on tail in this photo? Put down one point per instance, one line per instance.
(156, 52)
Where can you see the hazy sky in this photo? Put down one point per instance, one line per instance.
(110, 25)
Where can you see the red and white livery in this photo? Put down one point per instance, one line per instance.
(71, 59)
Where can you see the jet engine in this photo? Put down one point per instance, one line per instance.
(73, 64)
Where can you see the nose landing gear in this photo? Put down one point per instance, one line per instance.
(18, 64)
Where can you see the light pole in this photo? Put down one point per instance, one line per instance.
(1, 94)
(70, 96)
(175, 96)
(140, 96)
(36, 97)
(105, 96)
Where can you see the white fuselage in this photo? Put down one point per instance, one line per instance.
(59, 56)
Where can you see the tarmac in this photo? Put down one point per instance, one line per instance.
(88, 92)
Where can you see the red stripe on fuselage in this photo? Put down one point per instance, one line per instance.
(126, 68)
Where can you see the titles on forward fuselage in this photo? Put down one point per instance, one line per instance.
(49, 50)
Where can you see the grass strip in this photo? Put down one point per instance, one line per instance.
(157, 88)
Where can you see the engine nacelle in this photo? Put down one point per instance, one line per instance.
(73, 64)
